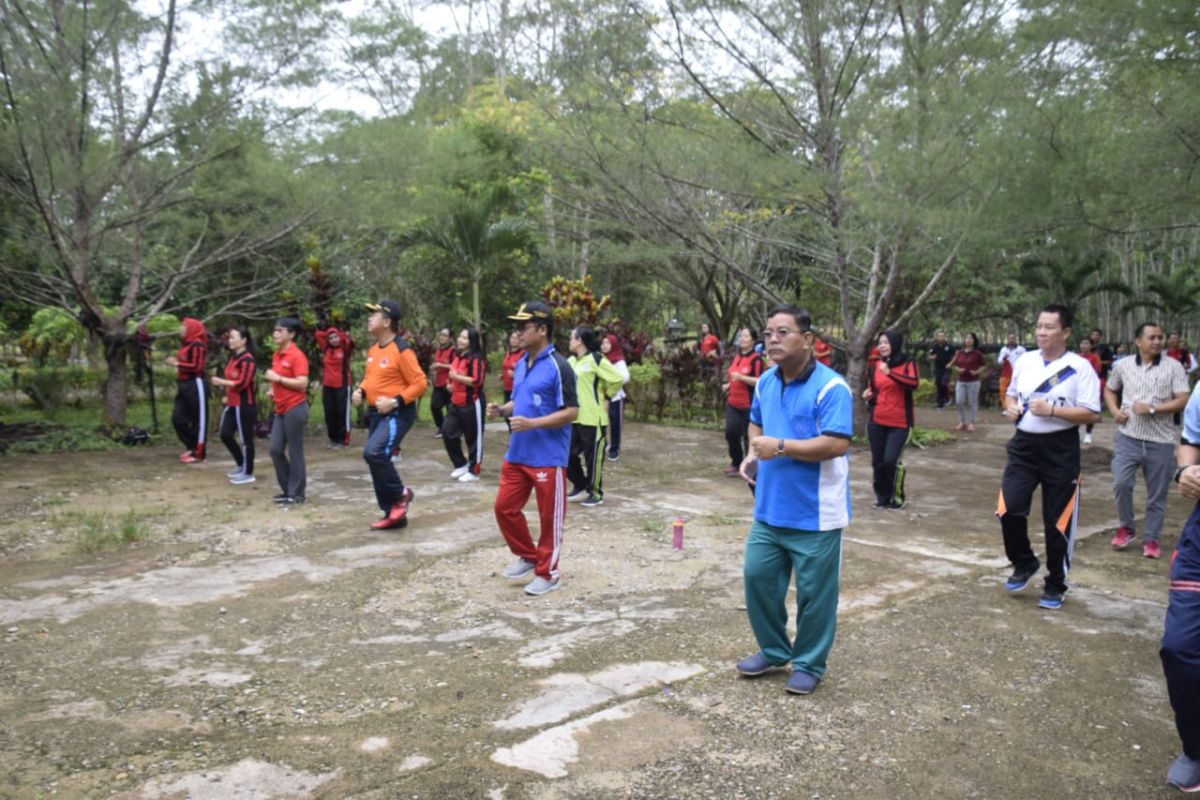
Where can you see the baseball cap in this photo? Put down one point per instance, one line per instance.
(535, 310)
(389, 307)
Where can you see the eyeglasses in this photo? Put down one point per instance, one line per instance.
(781, 333)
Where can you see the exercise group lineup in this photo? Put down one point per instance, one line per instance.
(789, 425)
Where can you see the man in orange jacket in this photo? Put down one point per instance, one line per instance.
(393, 384)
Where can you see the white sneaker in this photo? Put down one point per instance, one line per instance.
(460, 471)
(238, 480)
(467, 477)
(576, 496)
(1087, 438)
(234, 473)
(521, 568)
(539, 586)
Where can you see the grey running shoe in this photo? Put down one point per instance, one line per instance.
(592, 501)
(233, 473)
(521, 568)
(540, 586)
(1184, 774)
(241, 478)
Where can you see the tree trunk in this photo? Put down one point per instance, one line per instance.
(116, 384)
(476, 318)
(856, 376)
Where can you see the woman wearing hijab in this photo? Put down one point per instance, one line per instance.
(889, 391)
(190, 416)
(610, 346)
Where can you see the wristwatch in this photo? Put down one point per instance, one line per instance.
(779, 451)
(1153, 411)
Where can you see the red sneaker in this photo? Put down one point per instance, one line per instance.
(400, 510)
(1123, 538)
(188, 458)
(731, 472)
(1151, 550)
(185, 455)
(387, 523)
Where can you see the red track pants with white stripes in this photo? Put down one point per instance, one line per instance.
(549, 485)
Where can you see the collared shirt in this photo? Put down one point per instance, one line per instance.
(539, 389)
(805, 495)
(1155, 382)
(289, 362)
(596, 381)
(1068, 382)
(393, 371)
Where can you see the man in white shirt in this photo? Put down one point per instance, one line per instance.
(1144, 395)
(1006, 359)
(1053, 392)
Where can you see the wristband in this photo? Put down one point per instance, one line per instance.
(1179, 472)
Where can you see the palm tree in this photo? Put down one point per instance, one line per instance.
(471, 240)
(1176, 294)
(1069, 280)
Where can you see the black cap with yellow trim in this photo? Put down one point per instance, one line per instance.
(389, 307)
(534, 310)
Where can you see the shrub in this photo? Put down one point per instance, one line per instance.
(101, 531)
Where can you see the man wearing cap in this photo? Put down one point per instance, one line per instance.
(543, 406)
(391, 387)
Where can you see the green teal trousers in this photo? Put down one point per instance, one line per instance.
(772, 555)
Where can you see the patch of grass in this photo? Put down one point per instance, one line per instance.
(65, 438)
(925, 437)
(97, 531)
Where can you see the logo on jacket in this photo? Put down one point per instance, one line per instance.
(383, 362)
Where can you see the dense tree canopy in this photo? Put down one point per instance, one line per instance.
(920, 163)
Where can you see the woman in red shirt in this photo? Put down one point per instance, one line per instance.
(239, 416)
(972, 368)
(289, 388)
(744, 373)
(889, 391)
(464, 417)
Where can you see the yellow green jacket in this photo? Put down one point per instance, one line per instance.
(596, 380)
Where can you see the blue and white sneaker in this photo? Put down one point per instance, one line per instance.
(1051, 600)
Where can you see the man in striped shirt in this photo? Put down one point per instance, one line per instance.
(1144, 394)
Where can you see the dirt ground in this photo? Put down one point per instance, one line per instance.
(243, 651)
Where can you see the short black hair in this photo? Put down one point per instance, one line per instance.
(799, 316)
(290, 323)
(1065, 318)
(1141, 328)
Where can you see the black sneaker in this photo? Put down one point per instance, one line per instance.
(280, 498)
(1020, 577)
(294, 501)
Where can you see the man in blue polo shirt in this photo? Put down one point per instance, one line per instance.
(541, 411)
(801, 422)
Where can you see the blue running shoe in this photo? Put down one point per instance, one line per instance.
(1020, 577)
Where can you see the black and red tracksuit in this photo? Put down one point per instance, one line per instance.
(336, 383)
(190, 415)
(464, 417)
(737, 408)
(241, 410)
(441, 385)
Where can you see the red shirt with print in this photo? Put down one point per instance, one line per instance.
(508, 369)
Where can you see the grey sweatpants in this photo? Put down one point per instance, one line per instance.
(966, 397)
(287, 450)
(1157, 462)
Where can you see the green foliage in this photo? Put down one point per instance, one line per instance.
(65, 439)
(50, 388)
(51, 335)
(96, 531)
